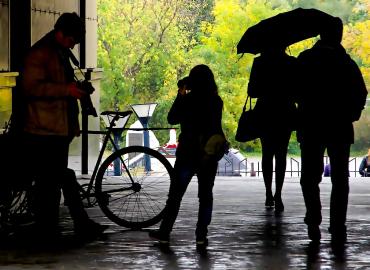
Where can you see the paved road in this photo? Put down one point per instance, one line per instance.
(243, 235)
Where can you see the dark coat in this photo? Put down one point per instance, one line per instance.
(49, 108)
(199, 117)
(332, 94)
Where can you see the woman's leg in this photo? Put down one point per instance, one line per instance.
(267, 168)
(206, 178)
(183, 175)
(280, 168)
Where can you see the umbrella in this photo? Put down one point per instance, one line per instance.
(283, 30)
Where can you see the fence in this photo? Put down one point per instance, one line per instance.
(252, 167)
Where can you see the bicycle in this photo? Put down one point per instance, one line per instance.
(134, 196)
(15, 196)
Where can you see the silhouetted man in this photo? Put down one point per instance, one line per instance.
(332, 89)
(51, 122)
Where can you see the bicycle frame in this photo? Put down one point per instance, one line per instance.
(107, 138)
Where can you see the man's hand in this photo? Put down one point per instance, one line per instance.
(75, 92)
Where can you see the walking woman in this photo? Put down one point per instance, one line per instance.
(271, 81)
(198, 110)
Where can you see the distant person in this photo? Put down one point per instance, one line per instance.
(198, 110)
(51, 122)
(272, 82)
(332, 87)
(364, 169)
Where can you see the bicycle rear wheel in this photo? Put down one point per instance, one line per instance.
(134, 194)
(15, 210)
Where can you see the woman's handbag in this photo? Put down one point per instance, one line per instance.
(248, 127)
(216, 146)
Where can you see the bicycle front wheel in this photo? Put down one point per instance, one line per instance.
(132, 185)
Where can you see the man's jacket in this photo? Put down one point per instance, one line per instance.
(332, 94)
(49, 108)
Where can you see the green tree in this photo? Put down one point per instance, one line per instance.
(145, 46)
(218, 50)
(142, 49)
(338, 8)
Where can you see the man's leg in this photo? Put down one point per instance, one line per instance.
(48, 156)
(70, 188)
(339, 156)
(83, 225)
(312, 169)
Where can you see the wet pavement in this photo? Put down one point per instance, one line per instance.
(243, 235)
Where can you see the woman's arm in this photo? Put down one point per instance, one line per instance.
(177, 111)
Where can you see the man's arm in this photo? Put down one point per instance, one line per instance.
(358, 91)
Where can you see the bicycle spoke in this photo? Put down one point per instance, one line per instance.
(151, 199)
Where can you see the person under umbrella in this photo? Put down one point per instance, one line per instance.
(272, 82)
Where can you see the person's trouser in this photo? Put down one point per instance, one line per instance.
(184, 171)
(47, 158)
(72, 197)
(312, 169)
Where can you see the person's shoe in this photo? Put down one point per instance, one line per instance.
(90, 230)
(163, 238)
(338, 237)
(314, 233)
(279, 206)
(201, 242)
(269, 203)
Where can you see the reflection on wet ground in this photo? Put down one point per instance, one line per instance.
(243, 235)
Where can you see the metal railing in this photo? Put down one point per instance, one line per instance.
(254, 168)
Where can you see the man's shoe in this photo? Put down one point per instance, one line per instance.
(338, 238)
(163, 238)
(90, 230)
(314, 233)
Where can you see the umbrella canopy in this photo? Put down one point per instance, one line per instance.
(283, 30)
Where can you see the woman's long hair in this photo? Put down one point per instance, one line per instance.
(202, 81)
